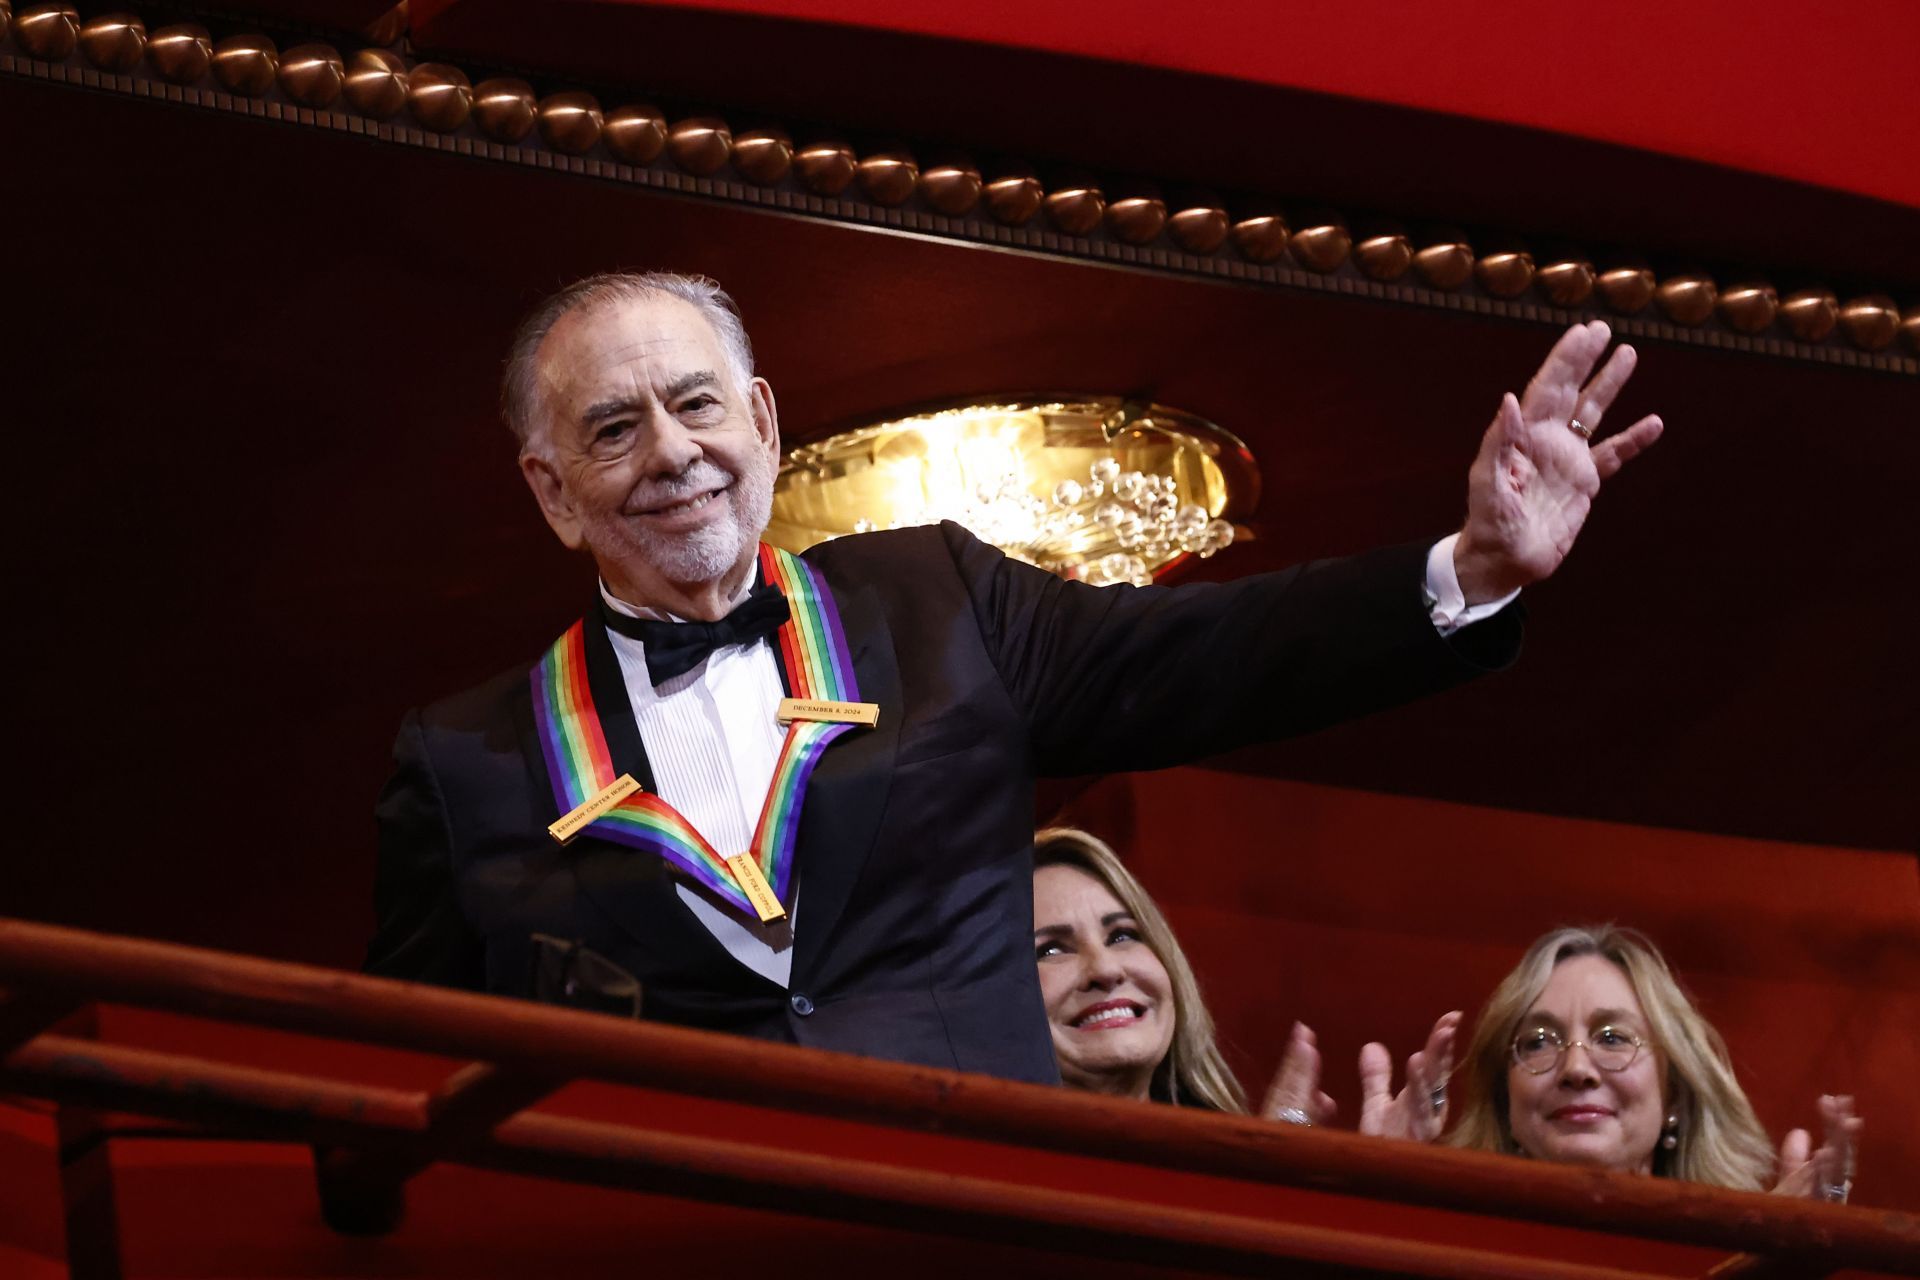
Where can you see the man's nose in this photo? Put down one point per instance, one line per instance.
(670, 447)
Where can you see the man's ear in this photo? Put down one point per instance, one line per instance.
(766, 416)
(556, 501)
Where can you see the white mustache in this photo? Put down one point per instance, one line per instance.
(702, 477)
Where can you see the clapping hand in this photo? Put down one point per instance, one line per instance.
(1419, 1111)
(1295, 1095)
(1825, 1173)
(1539, 467)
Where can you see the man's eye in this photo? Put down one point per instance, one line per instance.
(611, 431)
(699, 404)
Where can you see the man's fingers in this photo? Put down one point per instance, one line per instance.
(1615, 451)
(1564, 371)
(1598, 395)
(1508, 431)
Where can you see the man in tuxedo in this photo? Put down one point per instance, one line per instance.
(652, 447)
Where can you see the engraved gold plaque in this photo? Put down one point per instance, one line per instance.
(573, 823)
(746, 873)
(791, 709)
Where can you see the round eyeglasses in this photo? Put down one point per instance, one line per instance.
(1541, 1049)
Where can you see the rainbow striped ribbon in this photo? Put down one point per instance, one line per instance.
(816, 664)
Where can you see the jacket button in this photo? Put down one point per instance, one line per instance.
(801, 1005)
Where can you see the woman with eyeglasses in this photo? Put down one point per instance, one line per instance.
(1589, 1052)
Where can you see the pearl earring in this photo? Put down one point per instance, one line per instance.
(1672, 1137)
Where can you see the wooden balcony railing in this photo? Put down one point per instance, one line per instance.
(488, 1114)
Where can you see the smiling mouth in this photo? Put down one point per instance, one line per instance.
(684, 506)
(1114, 1013)
(1579, 1115)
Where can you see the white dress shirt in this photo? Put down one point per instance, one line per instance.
(725, 741)
(712, 740)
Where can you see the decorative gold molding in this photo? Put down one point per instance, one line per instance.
(382, 92)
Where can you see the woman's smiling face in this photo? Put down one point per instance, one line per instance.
(1109, 1002)
(1578, 1112)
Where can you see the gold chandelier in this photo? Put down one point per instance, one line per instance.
(1095, 488)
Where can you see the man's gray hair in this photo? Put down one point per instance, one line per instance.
(520, 399)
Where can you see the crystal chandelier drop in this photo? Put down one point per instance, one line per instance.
(1094, 489)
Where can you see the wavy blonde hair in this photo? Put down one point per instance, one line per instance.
(1193, 1073)
(1721, 1140)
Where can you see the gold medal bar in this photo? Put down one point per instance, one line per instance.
(791, 709)
(573, 823)
(746, 873)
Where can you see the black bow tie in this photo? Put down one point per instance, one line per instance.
(675, 648)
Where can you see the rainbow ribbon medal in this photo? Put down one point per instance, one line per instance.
(823, 704)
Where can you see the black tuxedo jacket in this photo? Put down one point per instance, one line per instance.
(914, 934)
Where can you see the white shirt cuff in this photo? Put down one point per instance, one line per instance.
(1446, 603)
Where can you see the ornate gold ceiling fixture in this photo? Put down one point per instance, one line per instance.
(380, 91)
(1094, 488)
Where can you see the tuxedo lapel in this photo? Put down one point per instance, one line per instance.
(636, 889)
(848, 791)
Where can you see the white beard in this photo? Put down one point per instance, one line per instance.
(708, 553)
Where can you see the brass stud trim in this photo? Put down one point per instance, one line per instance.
(953, 187)
(636, 133)
(1137, 219)
(1322, 246)
(1872, 322)
(503, 108)
(246, 64)
(1384, 257)
(1687, 299)
(825, 168)
(313, 75)
(1200, 229)
(367, 91)
(763, 155)
(571, 122)
(701, 145)
(888, 177)
(1627, 290)
(1013, 198)
(439, 96)
(1810, 314)
(1075, 208)
(1446, 265)
(1506, 274)
(1749, 307)
(376, 83)
(1261, 238)
(1567, 283)
(47, 31)
(114, 42)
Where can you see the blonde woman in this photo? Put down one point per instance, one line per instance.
(1590, 1052)
(1127, 1018)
